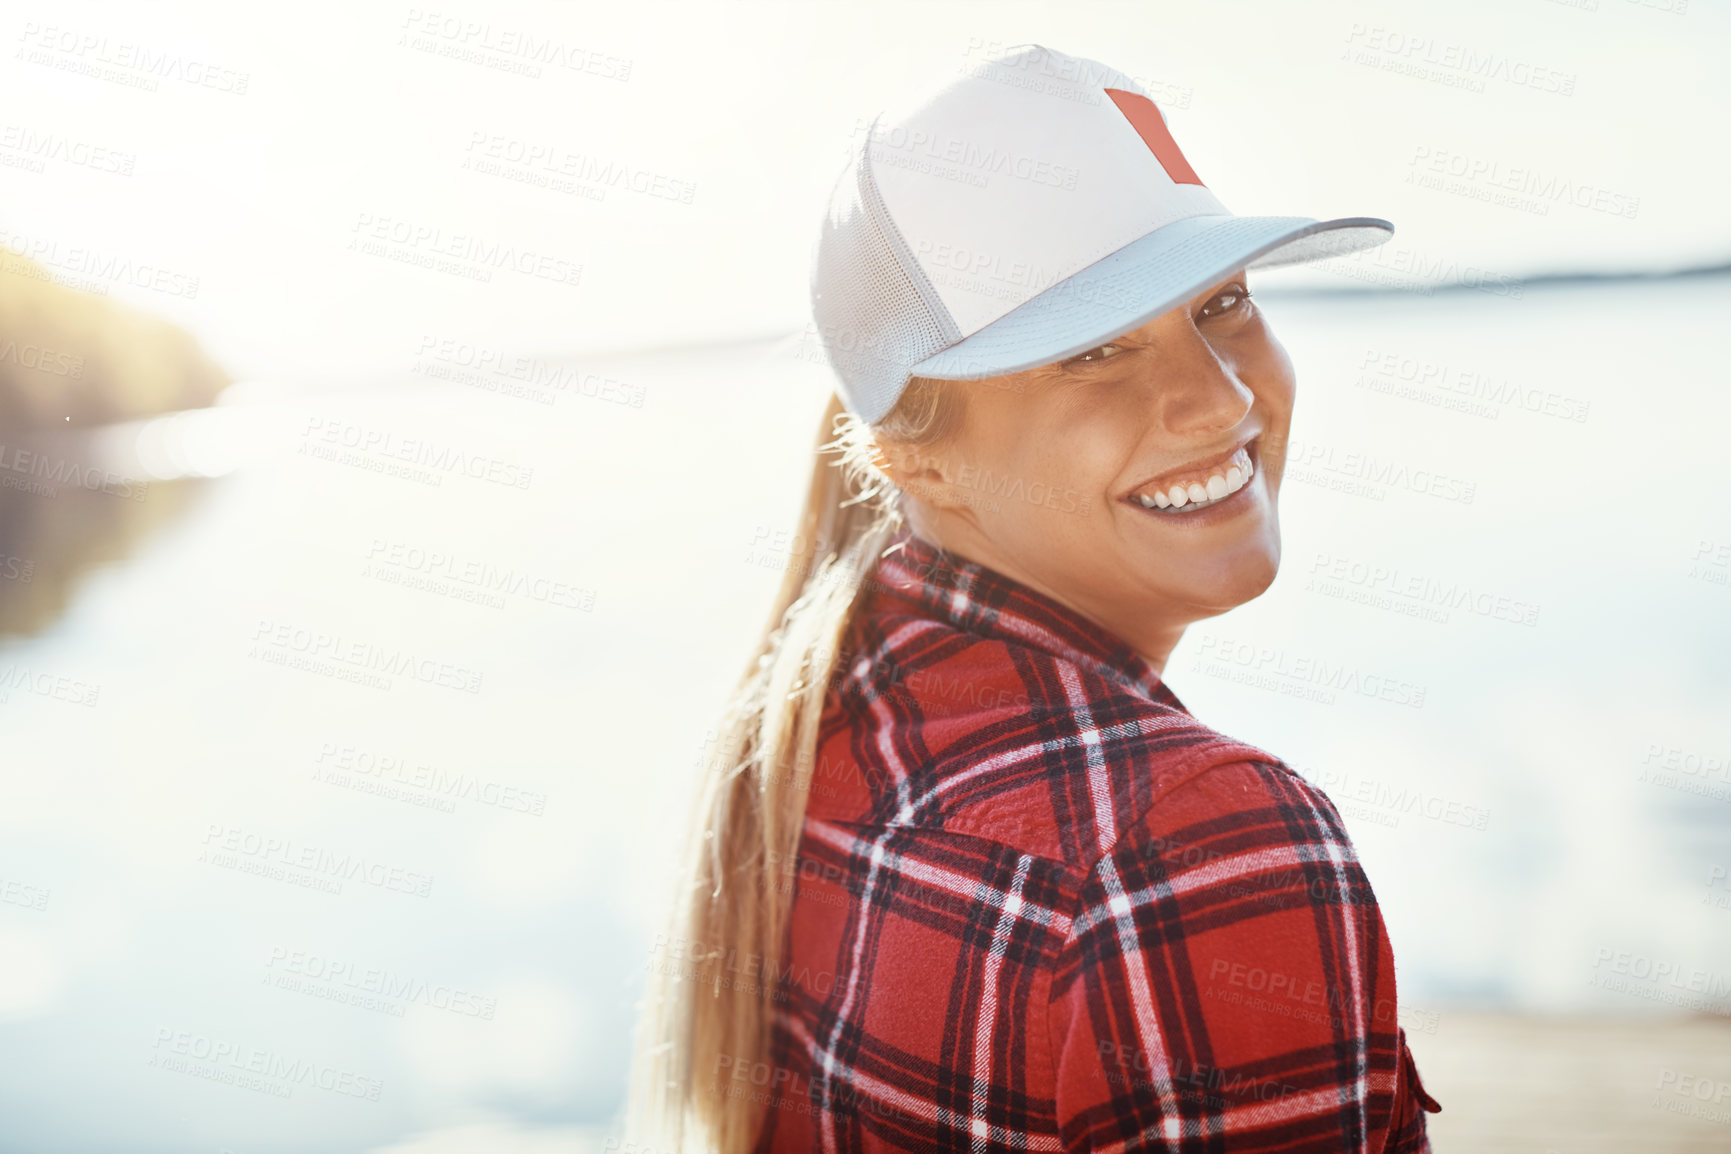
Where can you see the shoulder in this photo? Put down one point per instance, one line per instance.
(1247, 843)
(1232, 818)
(991, 739)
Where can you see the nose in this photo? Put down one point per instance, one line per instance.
(1197, 392)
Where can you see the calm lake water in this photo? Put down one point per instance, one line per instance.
(340, 788)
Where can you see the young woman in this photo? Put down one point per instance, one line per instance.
(967, 874)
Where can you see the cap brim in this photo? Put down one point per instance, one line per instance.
(1130, 287)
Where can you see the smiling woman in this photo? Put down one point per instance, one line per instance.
(1172, 436)
(1036, 905)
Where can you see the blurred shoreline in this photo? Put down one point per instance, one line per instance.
(1584, 1084)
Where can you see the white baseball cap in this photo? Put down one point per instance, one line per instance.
(1033, 208)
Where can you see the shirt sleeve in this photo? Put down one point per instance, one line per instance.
(1227, 983)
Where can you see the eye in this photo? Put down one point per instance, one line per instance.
(1229, 299)
(1094, 355)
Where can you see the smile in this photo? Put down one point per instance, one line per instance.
(1183, 495)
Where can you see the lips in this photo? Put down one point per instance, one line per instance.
(1197, 486)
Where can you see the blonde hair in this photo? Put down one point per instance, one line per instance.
(734, 902)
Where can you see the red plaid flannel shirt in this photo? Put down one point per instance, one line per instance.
(1039, 906)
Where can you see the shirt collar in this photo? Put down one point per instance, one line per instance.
(980, 600)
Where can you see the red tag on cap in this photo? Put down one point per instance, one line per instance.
(1145, 118)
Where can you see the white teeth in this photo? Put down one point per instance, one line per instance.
(1199, 494)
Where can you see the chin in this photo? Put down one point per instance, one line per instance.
(1233, 581)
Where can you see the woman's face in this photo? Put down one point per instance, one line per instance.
(1051, 472)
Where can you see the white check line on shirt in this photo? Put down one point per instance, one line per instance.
(1202, 877)
(1360, 1056)
(1099, 780)
(826, 1056)
(885, 650)
(1239, 1119)
(1148, 1030)
(985, 1026)
(911, 1105)
(938, 877)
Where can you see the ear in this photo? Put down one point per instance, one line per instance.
(928, 473)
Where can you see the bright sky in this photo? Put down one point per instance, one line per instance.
(271, 138)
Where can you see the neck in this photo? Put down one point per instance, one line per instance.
(1153, 639)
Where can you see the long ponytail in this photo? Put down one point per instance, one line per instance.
(698, 1022)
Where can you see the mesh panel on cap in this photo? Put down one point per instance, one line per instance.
(876, 312)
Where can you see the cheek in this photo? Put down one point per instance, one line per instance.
(1269, 374)
(1046, 477)
(1267, 371)
(1082, 456)
(1281, 392)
